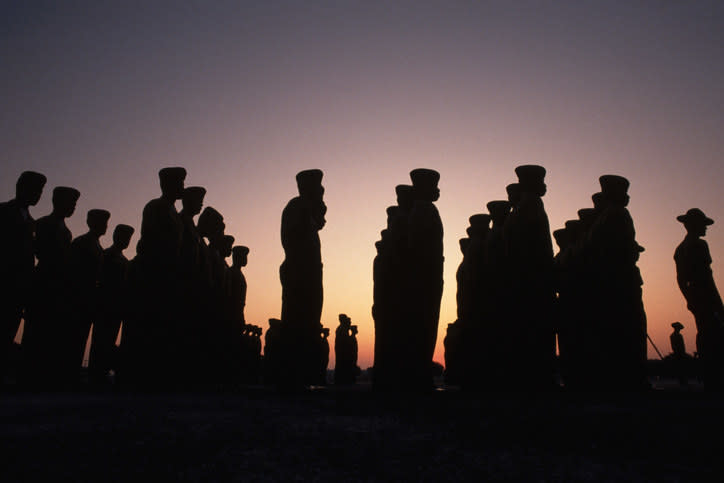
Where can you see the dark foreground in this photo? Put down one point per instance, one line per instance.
(353, 434)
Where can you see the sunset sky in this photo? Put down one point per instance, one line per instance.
(100, 95)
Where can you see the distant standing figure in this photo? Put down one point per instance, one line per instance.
(112, 306)
(50, 308)
(345, 363)
(696, 281)
(17, 259)
(86, 261)
(425, 252)
(301, 277)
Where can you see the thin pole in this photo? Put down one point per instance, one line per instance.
(655, 348)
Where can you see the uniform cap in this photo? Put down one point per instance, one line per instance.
(98, 215)
(65, 193)
(240, 250)
(498, 208)
(530, 175)
(309, 178)
(424, 178)
(403, 189)
(479, 220)
(123, 231)
(613, 185)
(194, 193)
(172, 174)
(32, 178)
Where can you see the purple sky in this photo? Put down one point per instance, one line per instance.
(100, 95)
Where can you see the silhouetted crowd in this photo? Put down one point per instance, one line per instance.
(526, 317)
(173, 316)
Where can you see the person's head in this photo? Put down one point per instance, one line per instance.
(599, 201)
(587, 217)
(530, 179)
(561, 238)
(97, 221)
(309, 184)
(479, 225)
(64, 200)
(614, 190)
(240, 255)
(193, 199)
(122, 236)
(499, 210)
(695, 221)
(29, 187)
(424, 183)
(344, 320)
(513, 192)
(211, 223)
(574, 229)
(405, 196)
(677, 326)
(172, 182)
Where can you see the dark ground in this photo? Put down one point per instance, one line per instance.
(353, 434)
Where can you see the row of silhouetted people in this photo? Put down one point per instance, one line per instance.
(515, 299)
(180, 304)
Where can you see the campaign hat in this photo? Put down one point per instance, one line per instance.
(695, 216)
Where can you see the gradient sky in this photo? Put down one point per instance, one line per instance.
(100, 95)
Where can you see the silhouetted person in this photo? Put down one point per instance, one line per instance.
(680, 359)
(424, 249)
(46, 325)
(112, 306)
(17, 259)
(86, 261)
(696, 282)
(345, 352)
(240, 257)
(530, 258)
(498, 345)
(301, 276)
(192, 202)
(194, 278)
(392, 294)
(618, 301)
(237, 292)
(152, 330)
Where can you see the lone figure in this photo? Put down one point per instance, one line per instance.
(695, 279)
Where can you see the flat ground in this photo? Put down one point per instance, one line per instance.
(353, 434)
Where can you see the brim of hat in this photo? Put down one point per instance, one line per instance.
(683, 219)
